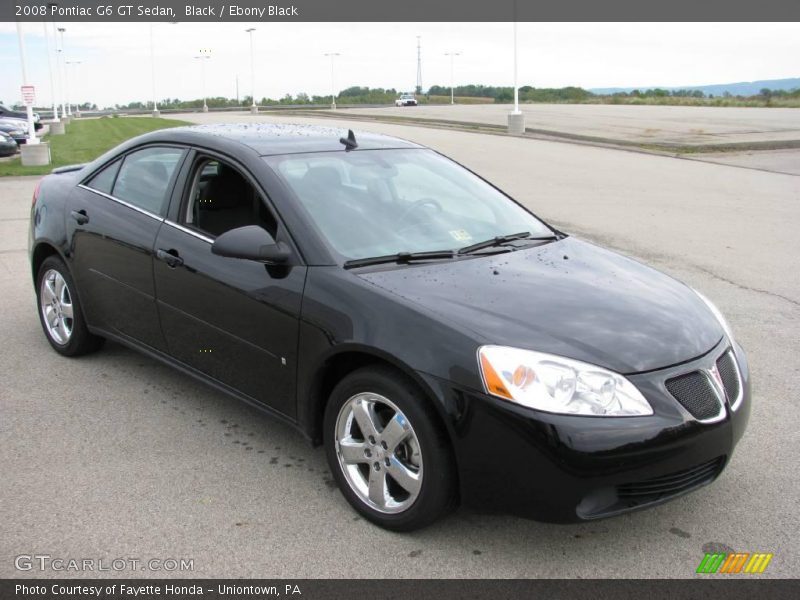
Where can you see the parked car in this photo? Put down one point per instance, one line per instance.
(406, 100)
(8, 146)
(439, 340)
(6, 112)
(16, 128)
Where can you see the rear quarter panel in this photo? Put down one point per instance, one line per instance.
(48, 216)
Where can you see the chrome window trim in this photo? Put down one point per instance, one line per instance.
(144, 211)
(196, 234)
(191, 232)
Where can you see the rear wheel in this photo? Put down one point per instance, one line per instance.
(60, 311)
(387, 451)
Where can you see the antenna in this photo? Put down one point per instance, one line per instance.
(350, 141)
(419, 66)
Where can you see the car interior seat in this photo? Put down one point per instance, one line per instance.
(227, 202)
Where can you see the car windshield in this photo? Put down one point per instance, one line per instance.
(371, 203)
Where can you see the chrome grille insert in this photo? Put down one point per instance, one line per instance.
(697, 394)
(731, 378)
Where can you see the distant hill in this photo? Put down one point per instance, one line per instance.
(743, 88)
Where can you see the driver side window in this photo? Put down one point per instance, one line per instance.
(221, 199)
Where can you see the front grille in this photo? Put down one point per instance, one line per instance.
(696, 394)
(729, 375)
(659, 488)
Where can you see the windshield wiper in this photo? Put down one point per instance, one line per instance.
(400, 258)
(503, 239)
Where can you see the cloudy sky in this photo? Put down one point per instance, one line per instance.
(115, 57)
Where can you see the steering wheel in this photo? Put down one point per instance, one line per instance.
(416, 206)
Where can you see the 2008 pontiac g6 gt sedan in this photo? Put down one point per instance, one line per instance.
(443, 343)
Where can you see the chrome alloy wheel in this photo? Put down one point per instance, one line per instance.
(379, 453)
(55, 302)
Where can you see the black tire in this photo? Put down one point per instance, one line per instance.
(437, 493)
(80, 340)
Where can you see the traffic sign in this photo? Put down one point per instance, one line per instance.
(28, 95)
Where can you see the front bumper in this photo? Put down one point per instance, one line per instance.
(564, 468)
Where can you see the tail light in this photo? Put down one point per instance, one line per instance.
(36, 192)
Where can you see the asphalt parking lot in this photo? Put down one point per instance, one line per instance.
(114, 455)
(689, 125)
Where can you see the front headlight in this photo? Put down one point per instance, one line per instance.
(723, 322)
(559, 385)
(17, 133)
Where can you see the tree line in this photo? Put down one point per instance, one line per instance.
(485, 93)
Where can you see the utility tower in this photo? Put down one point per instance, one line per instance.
(419, 66)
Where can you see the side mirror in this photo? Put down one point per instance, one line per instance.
(252, 243)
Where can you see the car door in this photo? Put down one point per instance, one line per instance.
(234, 320)
(112, 221)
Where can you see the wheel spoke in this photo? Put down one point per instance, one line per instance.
(396, 430)
(62, 330)
(377, 486)
(48, 293)
(404, 476)
(59, 286)
(50, 316)
(66, 311)
(352, 452)
(365, 417)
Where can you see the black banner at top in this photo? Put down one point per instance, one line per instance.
(399, 10)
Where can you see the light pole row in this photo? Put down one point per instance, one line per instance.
(515, 117)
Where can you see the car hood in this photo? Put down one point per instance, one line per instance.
(569, 298)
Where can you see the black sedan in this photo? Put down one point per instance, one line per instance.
(444, 344)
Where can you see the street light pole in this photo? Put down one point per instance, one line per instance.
(452, 56)
(32, 139)
(62, 74)
(156, 112)
(203, 57)
(253, 106)
(75, 64)
(333, 55)
(516, 120)
(516, 86)
(67, 98)
(50, 70)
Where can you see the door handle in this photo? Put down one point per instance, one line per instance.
(170, 257)
(80, 216)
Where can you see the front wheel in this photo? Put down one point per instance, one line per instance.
(387, 451)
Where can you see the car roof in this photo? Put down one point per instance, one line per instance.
(269, 139)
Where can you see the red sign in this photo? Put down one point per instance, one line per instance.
(28, 95)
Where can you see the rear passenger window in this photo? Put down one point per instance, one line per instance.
(104, 180)
(144, 177)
